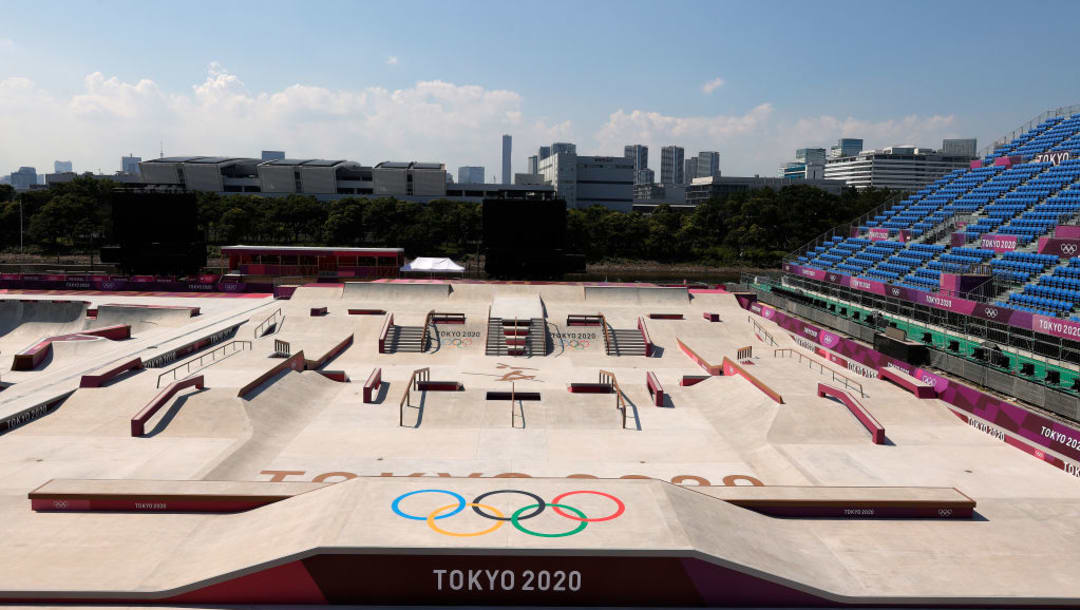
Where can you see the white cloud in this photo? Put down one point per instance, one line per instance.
(392, 60)
(712, 85)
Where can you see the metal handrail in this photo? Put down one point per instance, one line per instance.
(266, 323)
(836, 376)
(211, 354)
(417, 376)
(620, 401)
(1026, 127)
(761, 329)
(604, 327)
(424, 337)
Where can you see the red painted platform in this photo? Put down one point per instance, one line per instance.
(919, 388)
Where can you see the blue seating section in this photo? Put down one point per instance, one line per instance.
(1025, 199)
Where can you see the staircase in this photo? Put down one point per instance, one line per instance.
(625, 342)
(406, 339)
(537, 341)
(496, 340)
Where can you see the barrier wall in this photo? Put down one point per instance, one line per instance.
(1038, 429)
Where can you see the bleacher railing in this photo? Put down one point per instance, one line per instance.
(845, 230)
(1026, 127)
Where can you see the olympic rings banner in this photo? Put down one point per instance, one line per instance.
(533, 506)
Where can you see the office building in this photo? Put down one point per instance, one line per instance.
(639, 154)
(506, 146)
(896, 167)
(708, 164)
(470, 174)
(528, 179)
(273, 155)
(809, 164)
(689, 170)
(130, 165)
(563, 147)
(846, 147)
(584, 181)
(672, 170)
(703, 189)
(960, 146)
(24, 178)
(644, 176)
(60, 167)
(534, 163)
(545, 152)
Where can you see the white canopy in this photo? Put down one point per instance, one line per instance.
(433, 265)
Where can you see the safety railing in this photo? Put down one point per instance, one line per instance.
(263, 326)
(417, 376)
(745, 353)
(607, 377)
(765, 336)
(282, 349)
(849, 383)
(236, 345)
(604, 327)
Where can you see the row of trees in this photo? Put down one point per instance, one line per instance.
(753, 228)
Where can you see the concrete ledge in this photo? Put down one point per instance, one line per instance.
(861, 413)
(734, 368)
(138, 423)
(294, 362)
(372, 384)
(98, 379)
(135, 495)
(909, 383)
(711, 369)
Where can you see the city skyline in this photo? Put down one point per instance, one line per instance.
(69, 92)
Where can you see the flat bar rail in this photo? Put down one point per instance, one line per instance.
(761, 329)
(850, 384)
(237, 345)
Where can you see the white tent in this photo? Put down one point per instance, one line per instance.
(433, 265)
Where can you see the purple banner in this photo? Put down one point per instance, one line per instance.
(878, 233)
(1056, 327)
(1033, 427)
(1066, 247)
(958, 240)
(1067, 231)
(998, 242)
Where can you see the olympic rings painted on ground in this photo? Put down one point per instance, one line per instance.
(537, 507)
(579, 343)
(460, 506)
(618, 511)
(521, 528)
(540, 504)
(459, 342)
(435, 515)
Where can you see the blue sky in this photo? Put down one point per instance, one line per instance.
(442, 80)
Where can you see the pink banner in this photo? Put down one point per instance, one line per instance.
(878, 233)
(998, 242)
(1064, 248)
(1067, 231)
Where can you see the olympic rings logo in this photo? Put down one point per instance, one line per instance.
(535, 508)
(578, 344)
(459, 342)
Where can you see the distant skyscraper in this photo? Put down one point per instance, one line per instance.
(24, 178)
(563, 147)
(846, 147)
(811, 155)
(689, 170)
(130, 165)
(964, 146)
(273, 155)
(671, 165)
(545, 152)
(534, 163)
(708, 165)
(639, 153)
(644, 176)
(470, 174)
(60, 167)
(506, 145)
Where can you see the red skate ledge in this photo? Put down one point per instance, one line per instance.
(138, 423)
(688, 380)
(712, 317)
(193, 310)
(97, 380)
(666, 316)
(318, 311)
(440, 386)
(711, 369)
(590, 388)
(861, 413)
(30, 357)
(655, 389)
(734, 368)
(919, 388)
(372, 384)
(367, 312)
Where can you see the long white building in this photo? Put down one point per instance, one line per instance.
(896, 167)
(585, 181)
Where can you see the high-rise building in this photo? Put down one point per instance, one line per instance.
(689, 170)
(563, 147)
(545, 152)
(810, 155)
(506, 144)
(534, 162)
(24, 178)
(60, 167)
(130, 165)
(671, 165)
(470, 174)
(273, 155)
(644, 176)
(896, 167)
(587, 181)
(708, 164)
(960, 146)
(639, 154)
(846, 147)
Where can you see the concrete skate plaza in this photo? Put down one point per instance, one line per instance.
(250, 493)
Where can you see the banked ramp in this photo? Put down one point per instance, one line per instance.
(493, 542)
